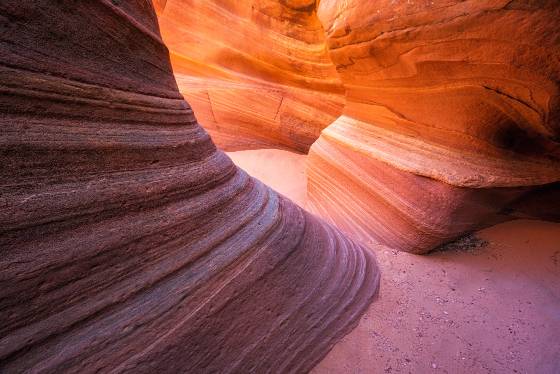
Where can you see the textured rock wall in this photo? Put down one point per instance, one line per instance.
(452, 116)
(128, 242)
(257, 73)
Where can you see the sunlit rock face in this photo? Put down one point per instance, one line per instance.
(257, 73)
(128, 242)
(452, 113)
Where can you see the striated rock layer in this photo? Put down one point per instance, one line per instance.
(128, 242)
(257, 73)
(452, 117)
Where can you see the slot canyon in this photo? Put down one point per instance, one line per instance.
(280, 186)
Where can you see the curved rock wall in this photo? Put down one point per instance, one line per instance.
(257, 73)
(452, 114)
(128, 242)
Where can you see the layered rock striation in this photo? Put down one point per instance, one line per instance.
(128, 242)
(257, 73)
(451, 120)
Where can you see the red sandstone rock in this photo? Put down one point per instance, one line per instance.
(128, 242)
(464, 93)
(452, 114)
(257, 73)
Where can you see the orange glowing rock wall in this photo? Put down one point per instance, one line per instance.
(452, 115)
(257, 73)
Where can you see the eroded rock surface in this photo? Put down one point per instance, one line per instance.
(128, 242)
(257, 73)
(452, 115)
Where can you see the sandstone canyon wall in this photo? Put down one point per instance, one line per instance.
(128, 242)
(451, 121)
(257, 73)
(450, 108)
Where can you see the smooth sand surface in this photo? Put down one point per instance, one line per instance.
(488, 304)
(282, 170)
(493, 308)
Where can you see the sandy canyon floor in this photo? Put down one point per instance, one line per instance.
(488, 304)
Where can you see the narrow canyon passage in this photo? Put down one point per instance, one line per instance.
(488, 303)
(423, 120)
(279, 186)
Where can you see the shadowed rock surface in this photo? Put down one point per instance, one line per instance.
(128, 242)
